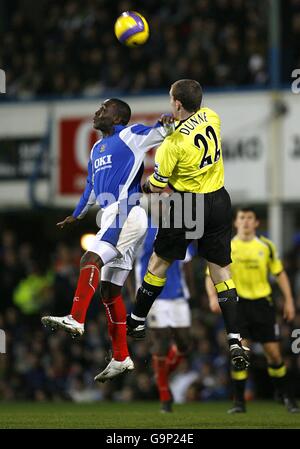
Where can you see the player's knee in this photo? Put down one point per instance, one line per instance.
(104, 292)
(158, 266)
(183, 347)
(90, 258)
(219, 273)
(160, 349)
(183, 343)
(160, 342)
(273, 356)
(273, 353)
(109, 291)
(274, 359)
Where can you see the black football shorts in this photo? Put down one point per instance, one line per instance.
(257, 320)
(215, 244)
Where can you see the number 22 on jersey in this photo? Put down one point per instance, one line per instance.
(209, 143)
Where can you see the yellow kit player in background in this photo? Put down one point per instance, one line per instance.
(254, 258)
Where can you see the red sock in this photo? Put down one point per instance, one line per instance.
(174, 357)
(86, 287)
(161, 375)
(116, 318)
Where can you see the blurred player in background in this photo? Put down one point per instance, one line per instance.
(254, 258)
(115, 170)
(190, 161)
(169, 318)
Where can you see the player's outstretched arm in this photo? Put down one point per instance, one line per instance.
(142, 138)
(67, 221)
(87, 199)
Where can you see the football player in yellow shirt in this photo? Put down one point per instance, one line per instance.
(254, 258)
(190, 162)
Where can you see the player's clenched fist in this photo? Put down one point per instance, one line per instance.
(68, 220)
(167, 119)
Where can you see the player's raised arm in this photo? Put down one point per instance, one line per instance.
(143, 138)
(68, 220)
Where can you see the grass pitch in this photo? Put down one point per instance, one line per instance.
(143, 415)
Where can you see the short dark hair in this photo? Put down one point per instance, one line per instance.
(123, 110)
(247, 209)
(189, 93)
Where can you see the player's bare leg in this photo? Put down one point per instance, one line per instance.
(90, 266)
(178, 351)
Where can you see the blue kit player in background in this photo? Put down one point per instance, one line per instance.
(115, 169)
(169, 319)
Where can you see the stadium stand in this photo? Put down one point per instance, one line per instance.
(65, 49)
(50, 366)
(68, 48)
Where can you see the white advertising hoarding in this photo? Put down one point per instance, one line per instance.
(247, 147)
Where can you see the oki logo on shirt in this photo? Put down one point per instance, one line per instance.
(102, 161)
(76, 137)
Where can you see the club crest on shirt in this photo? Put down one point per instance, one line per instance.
(102, 148)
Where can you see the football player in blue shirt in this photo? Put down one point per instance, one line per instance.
(115, 170)
(169, 318)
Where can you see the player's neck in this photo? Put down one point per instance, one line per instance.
(183, 115)
(246, 237)
(108, 133)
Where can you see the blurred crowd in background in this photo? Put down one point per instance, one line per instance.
(69, 48)
(43, 365)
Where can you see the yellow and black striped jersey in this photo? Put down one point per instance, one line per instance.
(252, 263)
(190, 159)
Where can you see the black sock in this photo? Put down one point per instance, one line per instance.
(228, 301)
(239, 390)
(239, 379)
(145, 297)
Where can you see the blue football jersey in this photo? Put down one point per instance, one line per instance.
(175, 286)
(116, 166)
